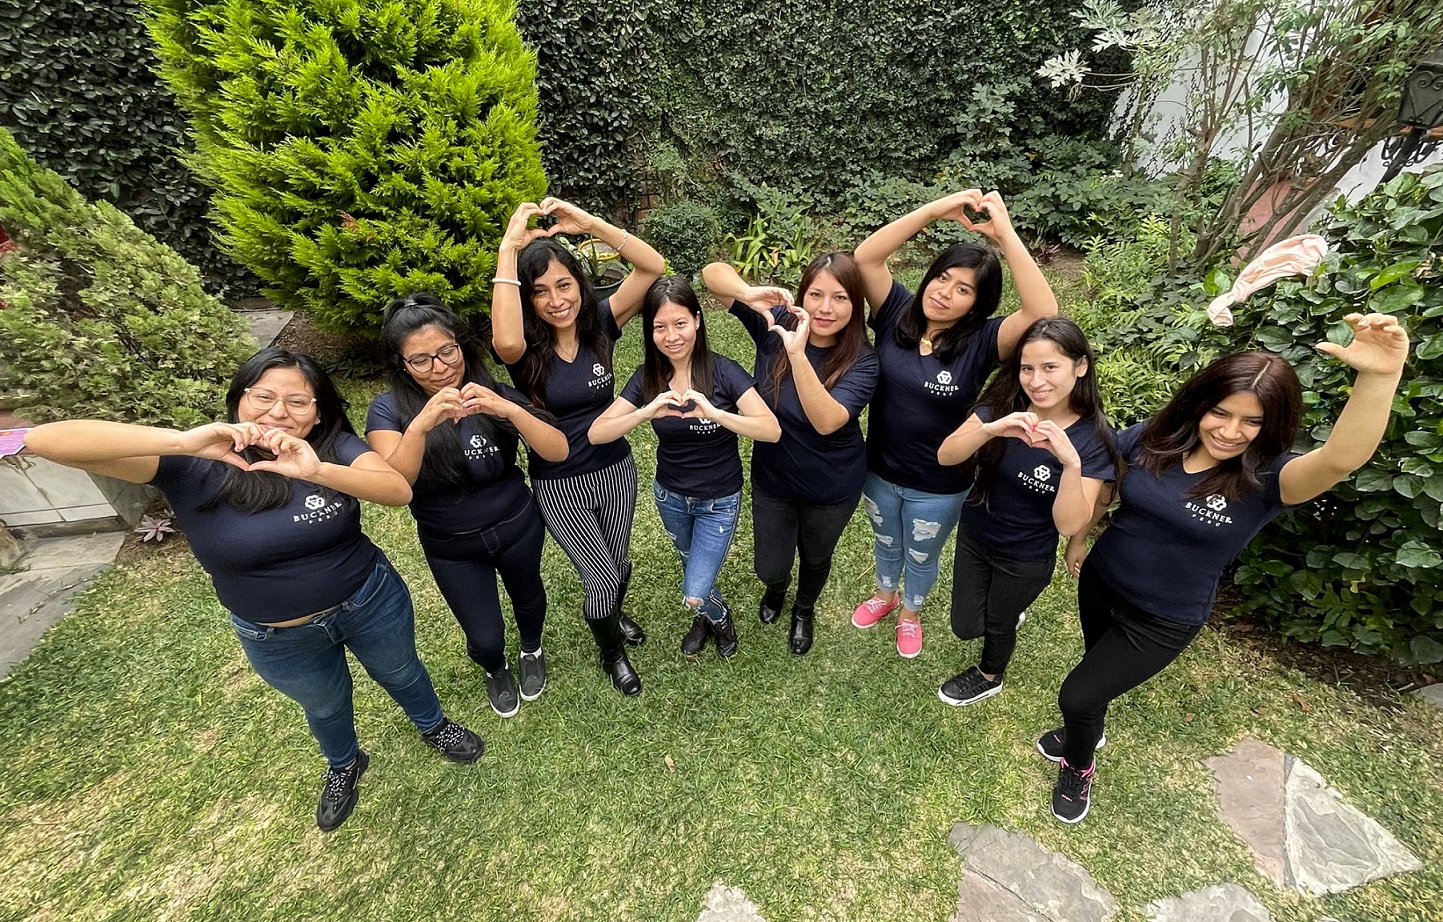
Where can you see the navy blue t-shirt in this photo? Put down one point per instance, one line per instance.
(577, 392)
(1165, 551)
(920, 401)
(806, 466)
(699, 457)
(1016, 521)
(304, 557)
(497, 491)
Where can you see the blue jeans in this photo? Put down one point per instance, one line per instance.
(909, 528)
(307, 663)
(701, 530)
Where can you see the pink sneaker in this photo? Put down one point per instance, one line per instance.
(874, 610)
(909, 638)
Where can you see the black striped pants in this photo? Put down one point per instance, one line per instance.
(590, 516)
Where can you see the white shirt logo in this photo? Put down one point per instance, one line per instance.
(1042, 472)
(478, 441)
(1216, 502)
(315, 501)
(598, 369)
(944, 377)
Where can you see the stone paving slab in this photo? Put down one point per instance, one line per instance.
(1433, 694)
(1301, 832)
(265, 325)
(728, 904)
(52, 572)
(1017, 880)
(1224, 903)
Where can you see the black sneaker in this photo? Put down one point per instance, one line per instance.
(338, 793)
(454, 741)
(696, 636)
(968, 688)
(501, 691)
(533, 675)
(1072, 796)
(1052, 743)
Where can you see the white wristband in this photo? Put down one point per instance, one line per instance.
(500, 281)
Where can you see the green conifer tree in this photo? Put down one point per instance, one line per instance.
(359, 149)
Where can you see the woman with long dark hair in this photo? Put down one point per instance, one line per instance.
(936, 348)
(816, 370)
(1203, 477)
(556, 338)
(453, 433)
(268, 501)
(697, 403)
(1043, 451)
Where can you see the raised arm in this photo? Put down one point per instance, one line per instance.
(873, 253)
(1378, 351)
(647, 265)
(1038, 301)
(508, 331)
(727, 285)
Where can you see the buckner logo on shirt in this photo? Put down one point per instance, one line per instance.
(1212, 511)
(480, 448)
(320, 510)
(943, 386)
(1037, 481)
(603, 377)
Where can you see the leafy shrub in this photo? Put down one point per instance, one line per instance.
(357, 156)
(779, 240)
(97, 318)
(79, 92)
(686, 233)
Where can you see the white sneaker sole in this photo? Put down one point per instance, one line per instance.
(512, 713)
(963, 702)
(1073, 822)
(526, 697)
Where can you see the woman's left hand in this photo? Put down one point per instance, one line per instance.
(478, 399)
(998, 223)
(1379, 346)
(569, 218)
(703, 408)
(1047, 434)
(794, 341)
(294, 456)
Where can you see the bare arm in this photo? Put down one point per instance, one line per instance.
(1077, 541)
(508, 331)
(756, 420)
(130, 452)
(1038, 301)
(723, 281)
(623, 416)
(823, 410)
(1378, 352)
(873, 253)
(647, 265)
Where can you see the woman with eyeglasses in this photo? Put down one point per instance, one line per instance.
(453, 433)
(268, 501)
(556, 339)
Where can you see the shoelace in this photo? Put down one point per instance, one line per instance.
(1074, 783)
(337, 781)
(909, 628)
(449, 736)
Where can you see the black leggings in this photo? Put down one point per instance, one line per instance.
(466, 566)
(783, 530)
(1126, 646)
(989, 592)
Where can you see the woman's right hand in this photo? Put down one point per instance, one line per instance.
(764, 297)
(1019, 425)
(447, 403)
(1076, 553)
(222, 442)
(954, 207)
(794, 341)
(518, 235)
(570, 219)
(661, 403)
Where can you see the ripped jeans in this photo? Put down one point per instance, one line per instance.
(701, 530)
(909, 528)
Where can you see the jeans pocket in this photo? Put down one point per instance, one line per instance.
(372, 586)
(245, 630)
(661, 494)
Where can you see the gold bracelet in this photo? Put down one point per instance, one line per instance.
(498, 280)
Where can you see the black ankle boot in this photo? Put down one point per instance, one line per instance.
(631, 632)
(696, 636)
(726, 636)
(770, 608)
(613, 655)
(801, 629)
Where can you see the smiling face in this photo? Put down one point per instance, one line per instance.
(829, 306)
(1048, 375)
(280, 387)
(556, 296)
(1226, 430)
(673, 330)
(422, 346)
(949, 296)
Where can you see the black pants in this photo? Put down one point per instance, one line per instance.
(466, 566)
(1126, 646)
(783, 530)
(989, 592)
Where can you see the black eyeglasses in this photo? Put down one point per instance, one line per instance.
(448, 354)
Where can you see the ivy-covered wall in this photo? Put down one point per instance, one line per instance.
(820, 97)
(78, 92)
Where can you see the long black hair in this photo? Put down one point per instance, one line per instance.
(444, 458)
(851, 342)
(1168, 437)
(534, 262)
(1005, 395)
(657, 371)
(258, 491)
(911, 326)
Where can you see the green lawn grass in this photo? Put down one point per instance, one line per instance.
(145, 772)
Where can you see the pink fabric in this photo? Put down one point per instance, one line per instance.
(1294, 256)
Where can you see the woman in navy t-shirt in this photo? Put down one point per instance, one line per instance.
(268, 504)
(936, 348)
(697, 403)
(816, 370)
(1204, 476)
(453, 433)
(556, 338)
(1043, 451)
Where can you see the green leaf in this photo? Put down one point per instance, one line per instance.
(1417, 554)
(1426, 650)
(1394, 272)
